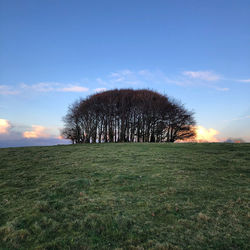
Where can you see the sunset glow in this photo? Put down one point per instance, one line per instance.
(4, 126)
(206, 135)
(37, 132)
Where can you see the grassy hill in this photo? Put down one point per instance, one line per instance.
(125, 196)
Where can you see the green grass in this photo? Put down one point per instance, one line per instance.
(125, 196)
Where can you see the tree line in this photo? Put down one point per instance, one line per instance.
(128, 115)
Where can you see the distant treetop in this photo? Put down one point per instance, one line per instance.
(128, 115)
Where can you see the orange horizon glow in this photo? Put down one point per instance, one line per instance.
(203, 135)
(206, 135)
(37, 132)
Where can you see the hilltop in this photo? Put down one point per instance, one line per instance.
(125, 196)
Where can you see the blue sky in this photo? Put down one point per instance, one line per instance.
(55, 51)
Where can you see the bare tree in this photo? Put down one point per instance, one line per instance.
(128, 115)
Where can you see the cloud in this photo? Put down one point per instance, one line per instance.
(100, 89)
(128, 79)
(244, 80)
(120, 73)
(73, 88)
(4, 126)
(101, 81)
(221, 89)
(54, 86)
(7, 90)
(235, 140)
(242, 118)
(206, 135)
(145, 73)
(12, 135)
(202, 75)
(238, 118)
(36, 132)
(23, 142)
(206, 79)
(146, 78)
(125, 78)
(40, 87)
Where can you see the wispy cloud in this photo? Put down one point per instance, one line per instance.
(100, 89)
(207, 79)
(101, 81)
(221, 89)
(129, 79)
(54, 86)
(4, 126)
(43, 87)
(7, 90)
(121, 73)
(125, 77)
(244, 80)
(202, 75)
(242, 118)
(73, 88)
(147, 78)
(40, 87)
(238, 118)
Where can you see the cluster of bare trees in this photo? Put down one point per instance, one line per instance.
(128, 115)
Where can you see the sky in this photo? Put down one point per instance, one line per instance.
(53, 52)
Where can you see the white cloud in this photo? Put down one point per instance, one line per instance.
(43, 87)
(238, 118)
(36, 132)
(206, 79)
(73, 88)
(7, 90)
(4, 126)
(202, 75)
(144, 72)
(40, 87)
(221, 89)
(245, 117)
(244, 80)
(127, 79)
(120, 73)
(54, 86)
(101, 81)
(100, 89)
(146, 78)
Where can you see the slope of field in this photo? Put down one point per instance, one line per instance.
(125, 196)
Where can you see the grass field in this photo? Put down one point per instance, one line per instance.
(125, 196)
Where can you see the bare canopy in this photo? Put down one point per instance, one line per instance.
(128, 115)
